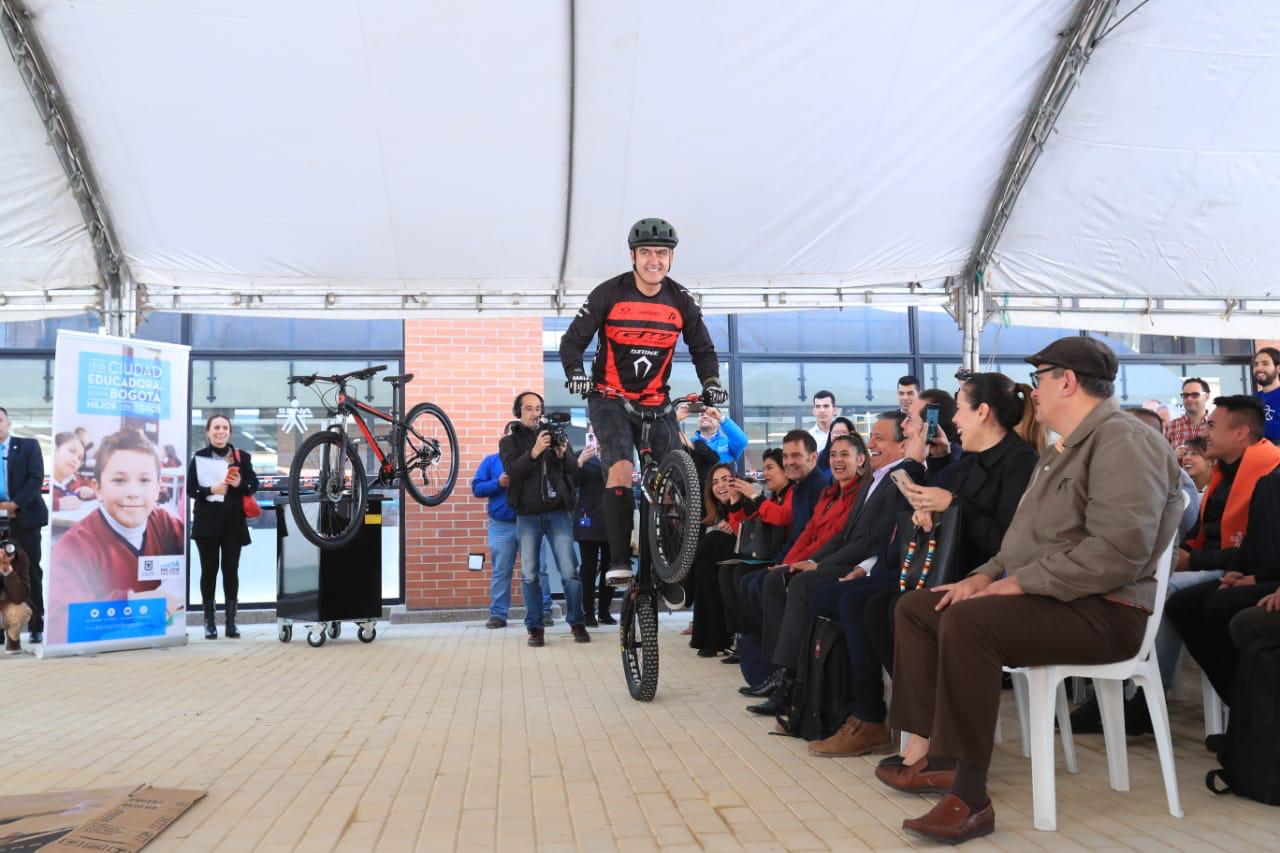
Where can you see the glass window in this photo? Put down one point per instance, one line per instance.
(239, 333)
(43, 334)
(1224, 379)
(1125, 344)
(270, 424)
(940, 334)
(1138, 383)
(162, 326)
(778, 396)
(854, 330)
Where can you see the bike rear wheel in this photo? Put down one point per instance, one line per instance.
(638, 632)
(674, 518)
(430, 454)
(331, 463)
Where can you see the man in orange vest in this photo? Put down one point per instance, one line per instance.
(1238, 533)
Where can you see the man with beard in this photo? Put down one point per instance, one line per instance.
(1266, 375)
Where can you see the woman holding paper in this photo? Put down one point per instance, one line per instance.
(220, 478)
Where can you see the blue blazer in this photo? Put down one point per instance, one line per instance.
(26, 479)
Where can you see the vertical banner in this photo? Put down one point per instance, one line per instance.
(117, 574)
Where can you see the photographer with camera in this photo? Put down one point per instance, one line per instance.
(540, 464)
(21, 478)
(15, 586)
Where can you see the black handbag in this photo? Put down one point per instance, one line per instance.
(758, 541)
(916, 544)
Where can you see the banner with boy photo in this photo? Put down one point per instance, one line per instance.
(117, 575)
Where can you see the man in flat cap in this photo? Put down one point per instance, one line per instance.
(1073, 583)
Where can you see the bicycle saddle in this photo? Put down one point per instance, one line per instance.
(401, 379)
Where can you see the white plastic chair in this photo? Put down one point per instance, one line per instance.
(1047, 695)
(1061, 710)
(1215, 713)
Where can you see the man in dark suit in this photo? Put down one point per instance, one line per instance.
(21, 478)
(853, 551)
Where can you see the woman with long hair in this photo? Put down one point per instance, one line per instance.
(721, 520)
(218, 525)
(840, 426)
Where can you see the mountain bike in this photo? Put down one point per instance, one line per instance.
(671, 518)
(422, 453)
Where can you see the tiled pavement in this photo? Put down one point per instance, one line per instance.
(439, 737)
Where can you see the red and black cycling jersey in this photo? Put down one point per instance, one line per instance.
(637, 338)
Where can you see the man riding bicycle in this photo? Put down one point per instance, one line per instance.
(638, 316)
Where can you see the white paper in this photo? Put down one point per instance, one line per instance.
(209, 473)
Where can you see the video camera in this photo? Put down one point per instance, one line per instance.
(553, 424)
(7, 545)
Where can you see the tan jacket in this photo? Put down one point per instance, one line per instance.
(1096, 513)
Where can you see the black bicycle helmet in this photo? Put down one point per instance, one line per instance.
(652, 232)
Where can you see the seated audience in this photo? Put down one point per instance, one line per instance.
(991, 414)
(839, 426)
(1197, 464)
(787, 591)
(1238, 535)
(773, 508)
(721, 518)
(945, 446)
(1195, 403)
(1077, 579)
(1258, 624)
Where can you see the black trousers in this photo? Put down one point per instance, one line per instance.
(210, 551)
(595, 559)
(709, 631)
(877, 619)
(28, 539)
(1202, 615)
(731, 594)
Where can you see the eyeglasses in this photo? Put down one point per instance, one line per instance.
(1186, 395)
(1035, 374)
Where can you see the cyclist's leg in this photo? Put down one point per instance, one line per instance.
(616, 436)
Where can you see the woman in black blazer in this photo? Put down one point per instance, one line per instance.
(218, 526)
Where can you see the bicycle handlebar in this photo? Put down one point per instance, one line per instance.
(656, 412)
(337, 378)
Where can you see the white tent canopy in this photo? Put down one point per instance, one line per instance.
(394, 158)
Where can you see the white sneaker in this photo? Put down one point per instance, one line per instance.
(672, 595)
(619, 575)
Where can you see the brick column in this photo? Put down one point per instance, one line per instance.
(472, 368)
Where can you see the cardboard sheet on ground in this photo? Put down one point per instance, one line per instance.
(119, 820)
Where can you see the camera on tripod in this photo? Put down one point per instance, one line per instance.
(553, 423)
(7, 545)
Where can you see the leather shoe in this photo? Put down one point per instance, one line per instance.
(953, 822)
(855, 737)
(496, 622)
(916, 778)
(773, 706)
(535, 637)
(606, 618)
(766, 687)
(36, 637)
(580, 634)
(731, 657)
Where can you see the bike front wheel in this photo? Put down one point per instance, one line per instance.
(639, 636)
(674, 518)
(430, 454)
(331, 464)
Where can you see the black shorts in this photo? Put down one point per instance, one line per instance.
(618, 433)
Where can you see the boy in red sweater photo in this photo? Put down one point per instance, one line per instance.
(98, 559)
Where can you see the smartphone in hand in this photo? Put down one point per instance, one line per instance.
(902, 480)
(930, 423)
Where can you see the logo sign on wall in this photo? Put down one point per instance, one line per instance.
(117, 571)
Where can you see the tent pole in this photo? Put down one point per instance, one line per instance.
(568, 193)
(1078, 42)
(118, 311)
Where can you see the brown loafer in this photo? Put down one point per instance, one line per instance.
(855, 737)
(916, 778)
(535, 637)
(953, 822)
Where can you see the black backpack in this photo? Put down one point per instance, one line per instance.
(822, 696)
(1249, 752)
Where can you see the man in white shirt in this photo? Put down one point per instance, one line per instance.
(824, 412)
